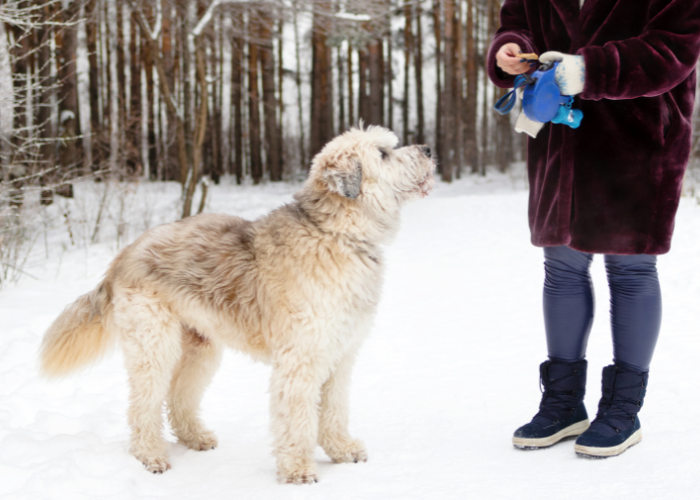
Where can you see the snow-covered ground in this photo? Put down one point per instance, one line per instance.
(450, 370)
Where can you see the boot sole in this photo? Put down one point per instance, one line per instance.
(612, 451)
(537, 443)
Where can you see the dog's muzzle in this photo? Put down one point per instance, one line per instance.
(426, 184)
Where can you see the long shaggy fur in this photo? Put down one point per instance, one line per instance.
(296, 289)
(76, 338)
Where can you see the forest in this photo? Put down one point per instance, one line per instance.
(192, 91)
(177, 90)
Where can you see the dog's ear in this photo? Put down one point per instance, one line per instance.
(345, 181)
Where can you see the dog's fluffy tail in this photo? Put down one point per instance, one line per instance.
(77, 337)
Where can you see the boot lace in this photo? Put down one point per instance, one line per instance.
(554, 403)
(616, 408)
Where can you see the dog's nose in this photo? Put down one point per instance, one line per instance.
(426, 151)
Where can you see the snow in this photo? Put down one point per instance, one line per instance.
(450, 370)
(66, 115)
(352, 17)
(205, 18)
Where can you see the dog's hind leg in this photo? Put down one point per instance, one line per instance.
(295, 395)
(150, 339)
(333, 435)
(201, 358)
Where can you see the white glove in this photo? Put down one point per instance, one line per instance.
(524, 124)
(571, 72)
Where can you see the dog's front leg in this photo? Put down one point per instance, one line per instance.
(295, 393)
(333, 434)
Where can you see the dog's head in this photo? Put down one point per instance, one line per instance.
(364, 165)
(362, 174)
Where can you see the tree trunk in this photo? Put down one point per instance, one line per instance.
(19, 49)
(19, 44)
(167, 95)
(458, 89)
(408, 47)
(207, 161)
(321, 78)
(69, 113)
(104, 65)
(96, 131)
(134, 162)
(148, 51)
(186, 90)
(351, 96)
(215, 169)
(121, 83)
(376, 82)
(341, 90)
(267, 62)
(200, 125)
(218, 102)
(236, 102)
(438, 84)
(46, 133)
(418, 45)
(171, 170)
(256, 168)
(280, 99)
(471, 150)
(484, 158)
(363, 95)
(300, 103)
(389, 79)
(449, 156)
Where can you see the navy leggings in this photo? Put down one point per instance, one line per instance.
(635, 305)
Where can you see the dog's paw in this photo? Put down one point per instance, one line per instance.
(156, 464)
(206, 440)
(302, 475)
(350, 451)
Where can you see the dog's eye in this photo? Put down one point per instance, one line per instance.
(385, 155)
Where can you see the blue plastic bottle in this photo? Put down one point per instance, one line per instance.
(541, 101)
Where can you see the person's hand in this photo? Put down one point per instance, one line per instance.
(571, 72)
(509, 60)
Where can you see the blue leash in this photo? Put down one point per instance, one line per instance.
(542, 99)
(505, 104)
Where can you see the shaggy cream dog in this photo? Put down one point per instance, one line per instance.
(296, 289)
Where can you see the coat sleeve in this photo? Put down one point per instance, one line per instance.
(650, 64)
(514, 29)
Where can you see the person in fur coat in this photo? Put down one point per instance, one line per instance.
(610, 187)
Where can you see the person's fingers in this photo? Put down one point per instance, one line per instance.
(511, 49)
(521, 68)
(510, 60)
(509, 53)
(516, 68)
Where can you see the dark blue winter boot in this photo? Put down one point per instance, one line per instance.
(616, 426)
(562, 413)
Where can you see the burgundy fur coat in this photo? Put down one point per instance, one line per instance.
(612, 185)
